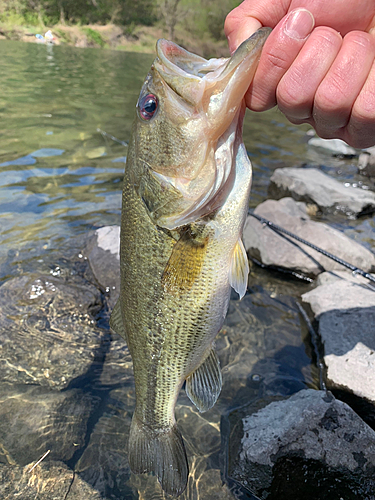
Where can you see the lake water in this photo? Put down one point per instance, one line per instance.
(65, 119)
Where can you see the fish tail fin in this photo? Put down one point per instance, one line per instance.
(160, 452)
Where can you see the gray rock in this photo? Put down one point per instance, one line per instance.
(345, 309)
(334, 146)
(291, 448)
(35, 419)
(313, 186)
(47, 332)
(47, 481)
(104, 257)
(270, 248)
(366, 162)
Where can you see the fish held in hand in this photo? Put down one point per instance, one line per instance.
(185, 199)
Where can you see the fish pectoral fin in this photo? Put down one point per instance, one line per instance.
(161, 452)
(185, 263)
(115, 321)
(203, 386)
(239, 269)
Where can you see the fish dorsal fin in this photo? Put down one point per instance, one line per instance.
(115, 321)
(203, 386)
(239, 269)
(185, 263)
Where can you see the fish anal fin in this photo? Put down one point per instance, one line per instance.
(239, 269)
(203, 386)
(185, 263)
(161, 452)
(116, 322)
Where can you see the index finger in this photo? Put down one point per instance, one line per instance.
(251, 15)
(279, 52)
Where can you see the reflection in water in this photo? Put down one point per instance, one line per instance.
(68, 381)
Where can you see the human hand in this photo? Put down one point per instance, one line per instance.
(315, 75)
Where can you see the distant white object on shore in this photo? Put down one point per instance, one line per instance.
(47, 38)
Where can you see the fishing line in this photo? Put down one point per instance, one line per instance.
(278, 229)
(105, 134)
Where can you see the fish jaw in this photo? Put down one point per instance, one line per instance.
(199, 100)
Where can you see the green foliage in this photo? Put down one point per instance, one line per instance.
(202, 19)
(94, 37)
(205, 18)
(63, 35)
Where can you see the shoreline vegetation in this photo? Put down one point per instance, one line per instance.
(127, 25)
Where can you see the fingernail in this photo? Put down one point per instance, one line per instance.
(299, 24)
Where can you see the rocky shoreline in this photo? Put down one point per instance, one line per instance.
(68, 385)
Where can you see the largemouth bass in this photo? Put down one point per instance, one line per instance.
(185, 198)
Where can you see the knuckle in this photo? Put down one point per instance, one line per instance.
(326, 36)
(278, 60)
(290, 90)
(364, 107)
(361, 39)
(331, 93)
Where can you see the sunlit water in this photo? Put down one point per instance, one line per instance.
(60, 178)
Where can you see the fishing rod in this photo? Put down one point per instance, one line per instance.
(279, 229)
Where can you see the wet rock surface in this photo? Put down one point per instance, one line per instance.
(274, 249)
(335, 147)
(366, 162)
(55, 421)
(308, 445)
(313, 186)
(47, 481)
(103, 250)
(48, 335)
(344, 307)
(104, 463)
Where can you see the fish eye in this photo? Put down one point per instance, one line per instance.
(147, 106)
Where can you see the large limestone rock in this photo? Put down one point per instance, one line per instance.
(313, 186)
(273, 249)
(308, 446)
(345, 308)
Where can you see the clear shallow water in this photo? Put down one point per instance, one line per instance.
(60, 177)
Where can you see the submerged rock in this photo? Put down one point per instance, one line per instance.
(313, 186)
(36, 419)
(345, 308)
(47, 481)
(273, 249)
(308, 446)
(47, 331)
(104, 463)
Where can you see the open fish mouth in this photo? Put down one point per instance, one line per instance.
(214, 90)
